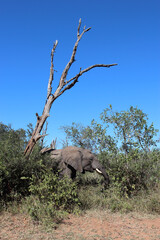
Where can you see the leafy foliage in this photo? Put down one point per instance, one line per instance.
(62, 193)
(130, 132)
(131, 128)
(124, 143)
(128, 155)
(54, 197)
(130, 175)
(48, 196)
(11, 163)
(92, 137)
(14, 168)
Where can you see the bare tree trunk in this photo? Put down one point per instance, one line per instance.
(64, 85)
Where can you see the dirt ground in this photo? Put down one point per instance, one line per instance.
(98, 225)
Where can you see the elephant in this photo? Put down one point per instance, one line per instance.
(72, 159)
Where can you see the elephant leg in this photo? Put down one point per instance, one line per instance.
(73, 172)
(68, 171)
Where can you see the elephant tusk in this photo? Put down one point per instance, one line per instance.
(98, 171)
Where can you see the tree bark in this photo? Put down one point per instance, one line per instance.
(64, 85)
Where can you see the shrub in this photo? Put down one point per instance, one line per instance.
(15, 170)
(53, 197)
(11, 160)
(133, 172)
(89, 179)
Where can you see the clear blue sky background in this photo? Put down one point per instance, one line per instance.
(123, 32)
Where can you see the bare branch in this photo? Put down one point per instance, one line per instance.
(53, 143)
(79, 26)
(38, 117)
(75, 78)
(89, 68)
(87, 29)
(44, 131)
(49, 91)
(51, 148)
(98, 65)
(43, 135)
(72, 59)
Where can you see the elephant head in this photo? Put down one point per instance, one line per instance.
(90, 163)
(74, 159)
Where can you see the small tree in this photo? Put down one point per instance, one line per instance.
(131, 128)
(93, 137)
(64, 85)
(130, 131)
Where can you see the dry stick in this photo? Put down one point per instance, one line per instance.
(62, 87)
(51, 70)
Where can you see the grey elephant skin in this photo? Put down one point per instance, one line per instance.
(73, 159)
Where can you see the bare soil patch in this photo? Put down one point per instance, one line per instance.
(97, 225)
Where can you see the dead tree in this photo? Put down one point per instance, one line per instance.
(64, 85)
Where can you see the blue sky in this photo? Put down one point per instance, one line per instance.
(123, 32)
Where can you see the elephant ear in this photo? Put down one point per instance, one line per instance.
(73, 158)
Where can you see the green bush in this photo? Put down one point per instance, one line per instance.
(11, 160)
(133, 172)
(15, 169)
(89, 179)
(50, 198)
(53, 197)
(127, 153)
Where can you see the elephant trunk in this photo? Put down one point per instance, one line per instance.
(101, 170)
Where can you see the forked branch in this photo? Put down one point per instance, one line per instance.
(62, 87)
